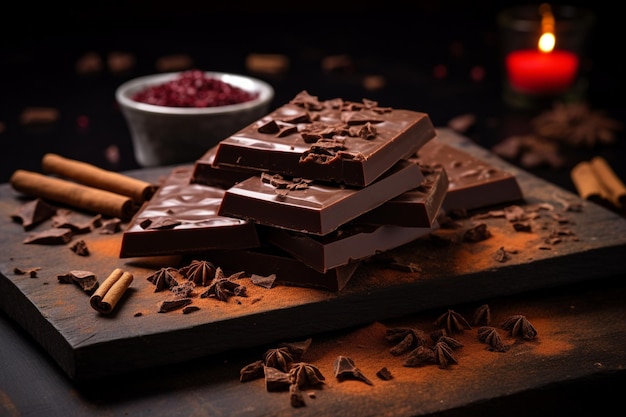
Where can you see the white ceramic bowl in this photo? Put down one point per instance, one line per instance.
(164, 135)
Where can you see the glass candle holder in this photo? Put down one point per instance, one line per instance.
(544, 53)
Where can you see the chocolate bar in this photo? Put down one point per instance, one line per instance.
(182, 217)
(334, 140)
(206, 173)
(418, 207)
(266, 261)
(349, 243)
(473, 183)
(311, 207)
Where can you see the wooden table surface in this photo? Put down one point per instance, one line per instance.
(571, 293)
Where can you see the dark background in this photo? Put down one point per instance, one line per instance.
(40, 45)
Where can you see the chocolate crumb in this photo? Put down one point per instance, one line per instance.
(384, 374)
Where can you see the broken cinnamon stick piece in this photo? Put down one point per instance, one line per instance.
(587, 184)
(73, 194)
(94, 176)
(608, 178)
(111, 291)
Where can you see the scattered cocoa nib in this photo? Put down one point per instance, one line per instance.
(491, 337)
(452, 322)
(166, 306)
(80, 248)
(52, 236)
(519, 326)
(482, 315)
(345, 368)
(34, 213)
(110, 226)
(32, 272)
(86, 280)
(405, 339)
(477, 233)
(384, 374)
(200, 272)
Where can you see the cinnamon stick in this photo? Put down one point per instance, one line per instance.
(587, 184)
(614, 187)
(73, 194)
(94, 176)
(111, 291)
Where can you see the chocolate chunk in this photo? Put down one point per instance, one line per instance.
(33, 213)
(318, 208)
(80, 248)
(166, 306)
(52, 236)
(193, 224)
(84, 279)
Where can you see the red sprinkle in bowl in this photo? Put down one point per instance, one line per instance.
(176, 132)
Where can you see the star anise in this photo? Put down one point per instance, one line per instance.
(164, 278)
(519, 326)
(444, 356)
(577, 125)
(482, 315)
(222, 287)
(491, 337)
(453, 322)
(304, 374)
(450, 341)
(278, 358)
(199, 271)
(421, 355)
(406, 339)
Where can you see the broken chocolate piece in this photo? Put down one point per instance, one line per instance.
(86, 280)
(80, 248)
(110, 226)
(252, 371)
(276, 380)
(345, 368)
(196, 227)
(166, 306)
(384, 374)
(32, 272)
(33, 213)
(265, 282)
(52, 236)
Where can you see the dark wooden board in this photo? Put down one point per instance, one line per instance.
(87, 345)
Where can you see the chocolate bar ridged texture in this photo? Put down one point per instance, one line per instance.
(346, 142)
(418, 207)
(473, 183)
(289, 271)
(316, 208)
(182, 217)
(348, 244)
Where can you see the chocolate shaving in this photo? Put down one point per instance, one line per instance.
(86, 280)
(80, 248)
(190, 309)
(166, 306)
(345, 368)
(33, 213)
(53, 236)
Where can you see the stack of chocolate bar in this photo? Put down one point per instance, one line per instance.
(306, 193)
